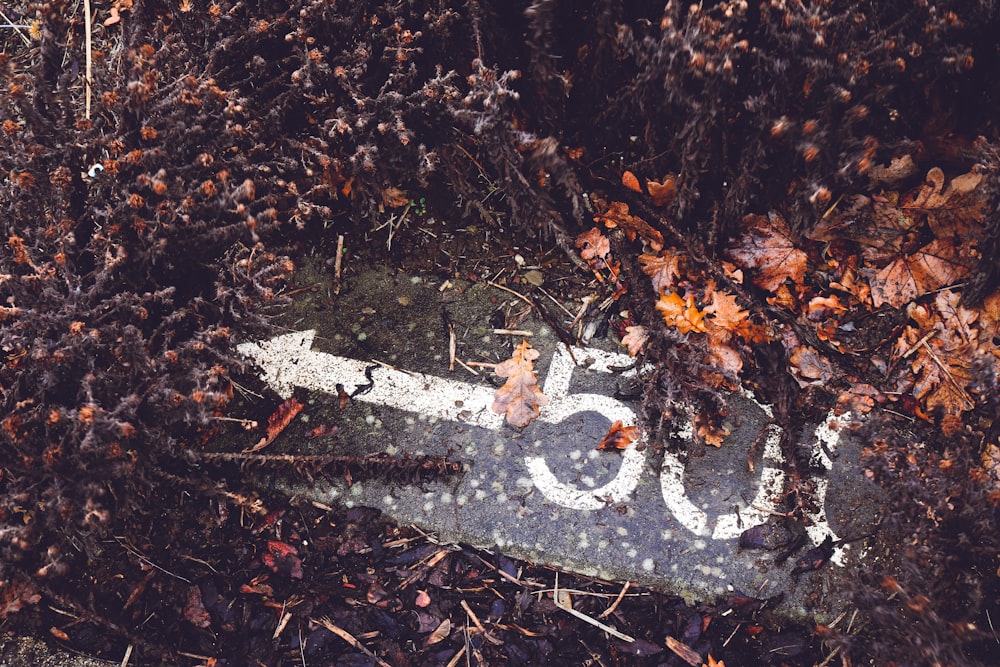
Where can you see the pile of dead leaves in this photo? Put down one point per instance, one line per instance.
(867, 303)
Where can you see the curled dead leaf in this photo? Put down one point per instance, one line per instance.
(681, 313)
(619, 437)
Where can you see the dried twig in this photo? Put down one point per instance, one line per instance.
(338, 263)
(510, 291)
(614, 605)
(349, 638)
(479, 626)
(587, 619)
(88, 78)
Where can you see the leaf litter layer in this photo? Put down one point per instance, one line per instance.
(776, 204)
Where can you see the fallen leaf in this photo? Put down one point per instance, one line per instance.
(393, 197)
(809, 367)
(519, 398)
(767, 247)
(681, 313)
(594, 246)
(322, 430)
(194, 609)
(440, 633)
(663, 269)
(726, 312)
(631, 182)
(619, 437)
(617, 215)
(282, 558)
(933, 266)
(943, 348)
(709, 432)
(16, 594)
(663, 192)
(277, 422)
(422, 600)
(712, 662)
(635, 339)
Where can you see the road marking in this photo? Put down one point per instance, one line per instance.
(288, 361)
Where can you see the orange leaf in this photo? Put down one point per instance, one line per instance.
(662, 193)
(726, 313)
(767, 247)
(619, 437)
(681, 313)
(618, 215)
(631, 182)
(519, 398)
(277, 422)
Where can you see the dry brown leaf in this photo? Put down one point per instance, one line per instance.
(393, 197)
(618, 215)
(440, 633)
(662, 193)
(942, 349)
(619, 437)
(663, 269)
(519, 398)
(681, 313)
(724, 359)
(767, 247)
(277, 422)
(710, 433)
(809, 367)
(902, 263)
(593, 246)
(635, 339)
(907, 277)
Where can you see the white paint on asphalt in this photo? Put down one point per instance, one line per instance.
(289, 361)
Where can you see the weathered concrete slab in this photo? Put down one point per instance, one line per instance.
(544, 493)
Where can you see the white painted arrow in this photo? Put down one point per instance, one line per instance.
(289, 361)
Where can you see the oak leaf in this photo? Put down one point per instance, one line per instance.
(519, 398)
(593, 246)
(663, 269)
(726, 313)
(635, 339)
(681, 313)
(942, 348)
(767, 247)
(619, 436)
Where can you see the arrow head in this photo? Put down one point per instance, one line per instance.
(279, 358)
